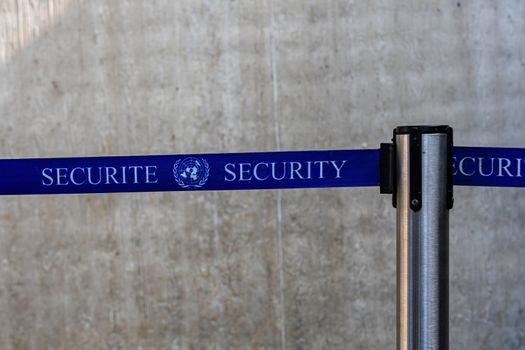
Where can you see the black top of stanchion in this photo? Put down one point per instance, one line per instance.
(422, 129)
(387, 163)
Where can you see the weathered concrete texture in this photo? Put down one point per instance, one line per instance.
(301, 269)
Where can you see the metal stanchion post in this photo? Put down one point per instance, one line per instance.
(420, 170)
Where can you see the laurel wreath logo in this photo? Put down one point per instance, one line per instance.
(180, 181)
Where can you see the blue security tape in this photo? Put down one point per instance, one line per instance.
(488, 166)
(472, 166)
(233, 171)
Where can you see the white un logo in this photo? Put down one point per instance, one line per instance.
(191, 172)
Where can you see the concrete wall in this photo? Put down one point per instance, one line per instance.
(294, 269)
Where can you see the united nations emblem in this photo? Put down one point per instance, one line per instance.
(191, 172)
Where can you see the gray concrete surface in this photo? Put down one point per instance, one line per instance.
(295, 269)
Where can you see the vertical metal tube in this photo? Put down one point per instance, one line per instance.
(422, 241)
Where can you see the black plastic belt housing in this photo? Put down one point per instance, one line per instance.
(387, 164)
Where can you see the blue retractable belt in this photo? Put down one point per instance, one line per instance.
(488, 166)
(234, 171)
(472, 166)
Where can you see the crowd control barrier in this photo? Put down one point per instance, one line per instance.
(420, 168)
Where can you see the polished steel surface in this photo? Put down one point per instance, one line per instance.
(404, 240)
(422, 249)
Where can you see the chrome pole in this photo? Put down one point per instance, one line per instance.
(423, 197)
